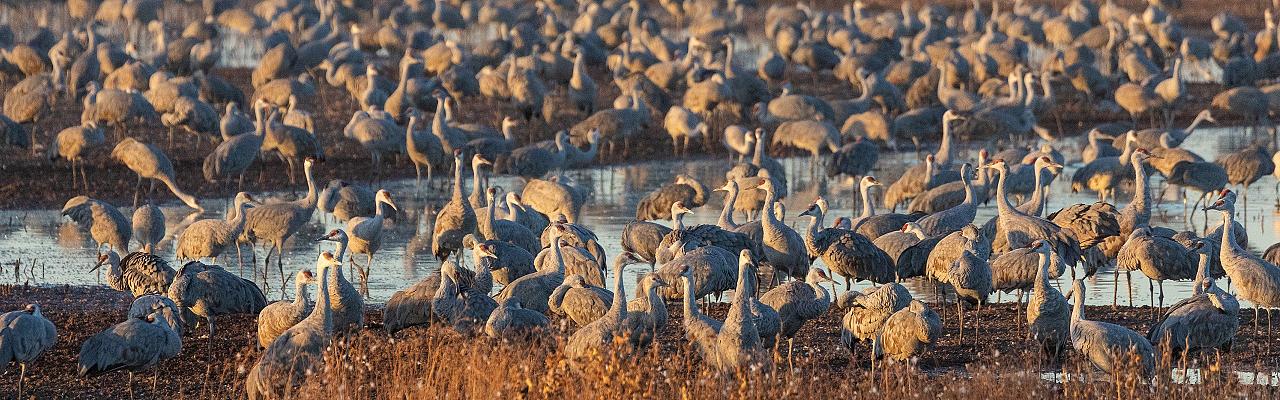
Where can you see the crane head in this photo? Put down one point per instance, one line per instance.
(656, 280)
(335, 235)
(385, 197)
(728, 186)
(678, 208)
(32, 309)
(483, 250)
(1226, 202)
(306, 276)
(812, 211)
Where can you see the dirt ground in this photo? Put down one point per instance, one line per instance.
(215, 368)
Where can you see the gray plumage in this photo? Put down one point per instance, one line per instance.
(463, 308)
(783, 247)
(25, 335)
(1246, 166)
(158, 303)
(908, 333)
(580, 301)
(642, 239)
(1208, 320)
(1255, 279)
(511, 320)
(344, 299)
(107, 225)
(535, 289)
(279, 316)
(554, 198)
(657, 204)
(1048, 314)
(455, 220)
(908, 249)
(846, 252)
(869, 311)
(970, 277)
(148, 161)
(208, 238)
(534, 162)
(873, 225)
(508, 261)
(73, 144)
(276, 222)
(236, 153)
(138, 273)
(1158, 257)
(798, 302)
(577, 236)
(1016, 270)
(855, 158)
(647, 313)
(576, 260)
(209, 291)
(1015, 229)
(1108, 346)
(148, 226)
(133, 345)
(291, 357)
(290, 143)
(597, 337)
(494, 228)
(712, 265)
(366, 232)
(193, 115)
(954, 218)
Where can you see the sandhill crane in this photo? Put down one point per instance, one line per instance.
(908, 249)
(107, 225)
(1256, 280)
(870, 224)
(24, 335)
(236, 153)
(1096, 148)
(148, 161)
(508, 261)
(597, 337)
(1207, 320)
(455, 220)
(533, 162)
(580, 301)
(908, 332)
(208, 238)
(133, 345)
(276, 222)
(657, 204)
(647, 313)
(783, 247)
(138, 273)
(1048, 316)
(76, 143)
(534, 290)
(798, 302)
(148, 227)
(844, 251)
(952, 219)
(1158, 258)
(423, 148)
(1150, 138)
(869, 310)
(683, 125)
(738, 140)
(366, 233)
(511, 320)
(209, 291)
(1246, 166)
(493, 228)
(279, 316)
(344, 299)
(1015, 229)
(300, 349)
(1110, 347)
(1104, 174)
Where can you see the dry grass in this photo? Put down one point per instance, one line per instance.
(441, 364)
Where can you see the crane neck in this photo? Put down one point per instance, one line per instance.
(770, 198)
(678, 223)
(968, 186)
(1128, 151)
(1077, 309)
(868, 203)
(1002, 198)
(943, 157)
(322, 312)
(1202, 272)
(300, 293)
(690, 312)
(1229, 234)
(619, 307)
(477, 183)
(758, 158)
(1190, 128)
(1042, 276)
(309, 201)
(559, 256)
(1037, 195)
(726, 212)
(1141, 193)
(457, 179)
(815, 226)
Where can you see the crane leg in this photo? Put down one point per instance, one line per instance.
(22, 374)
(417, 183)
(1151, 291)
(1161, 284)
(960, 316)
(1128, 281)
(1115, 289)
(137, 189)
(131, 385)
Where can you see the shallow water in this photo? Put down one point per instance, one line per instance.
(52, 250)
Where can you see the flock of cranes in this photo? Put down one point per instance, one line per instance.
(957, 77)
